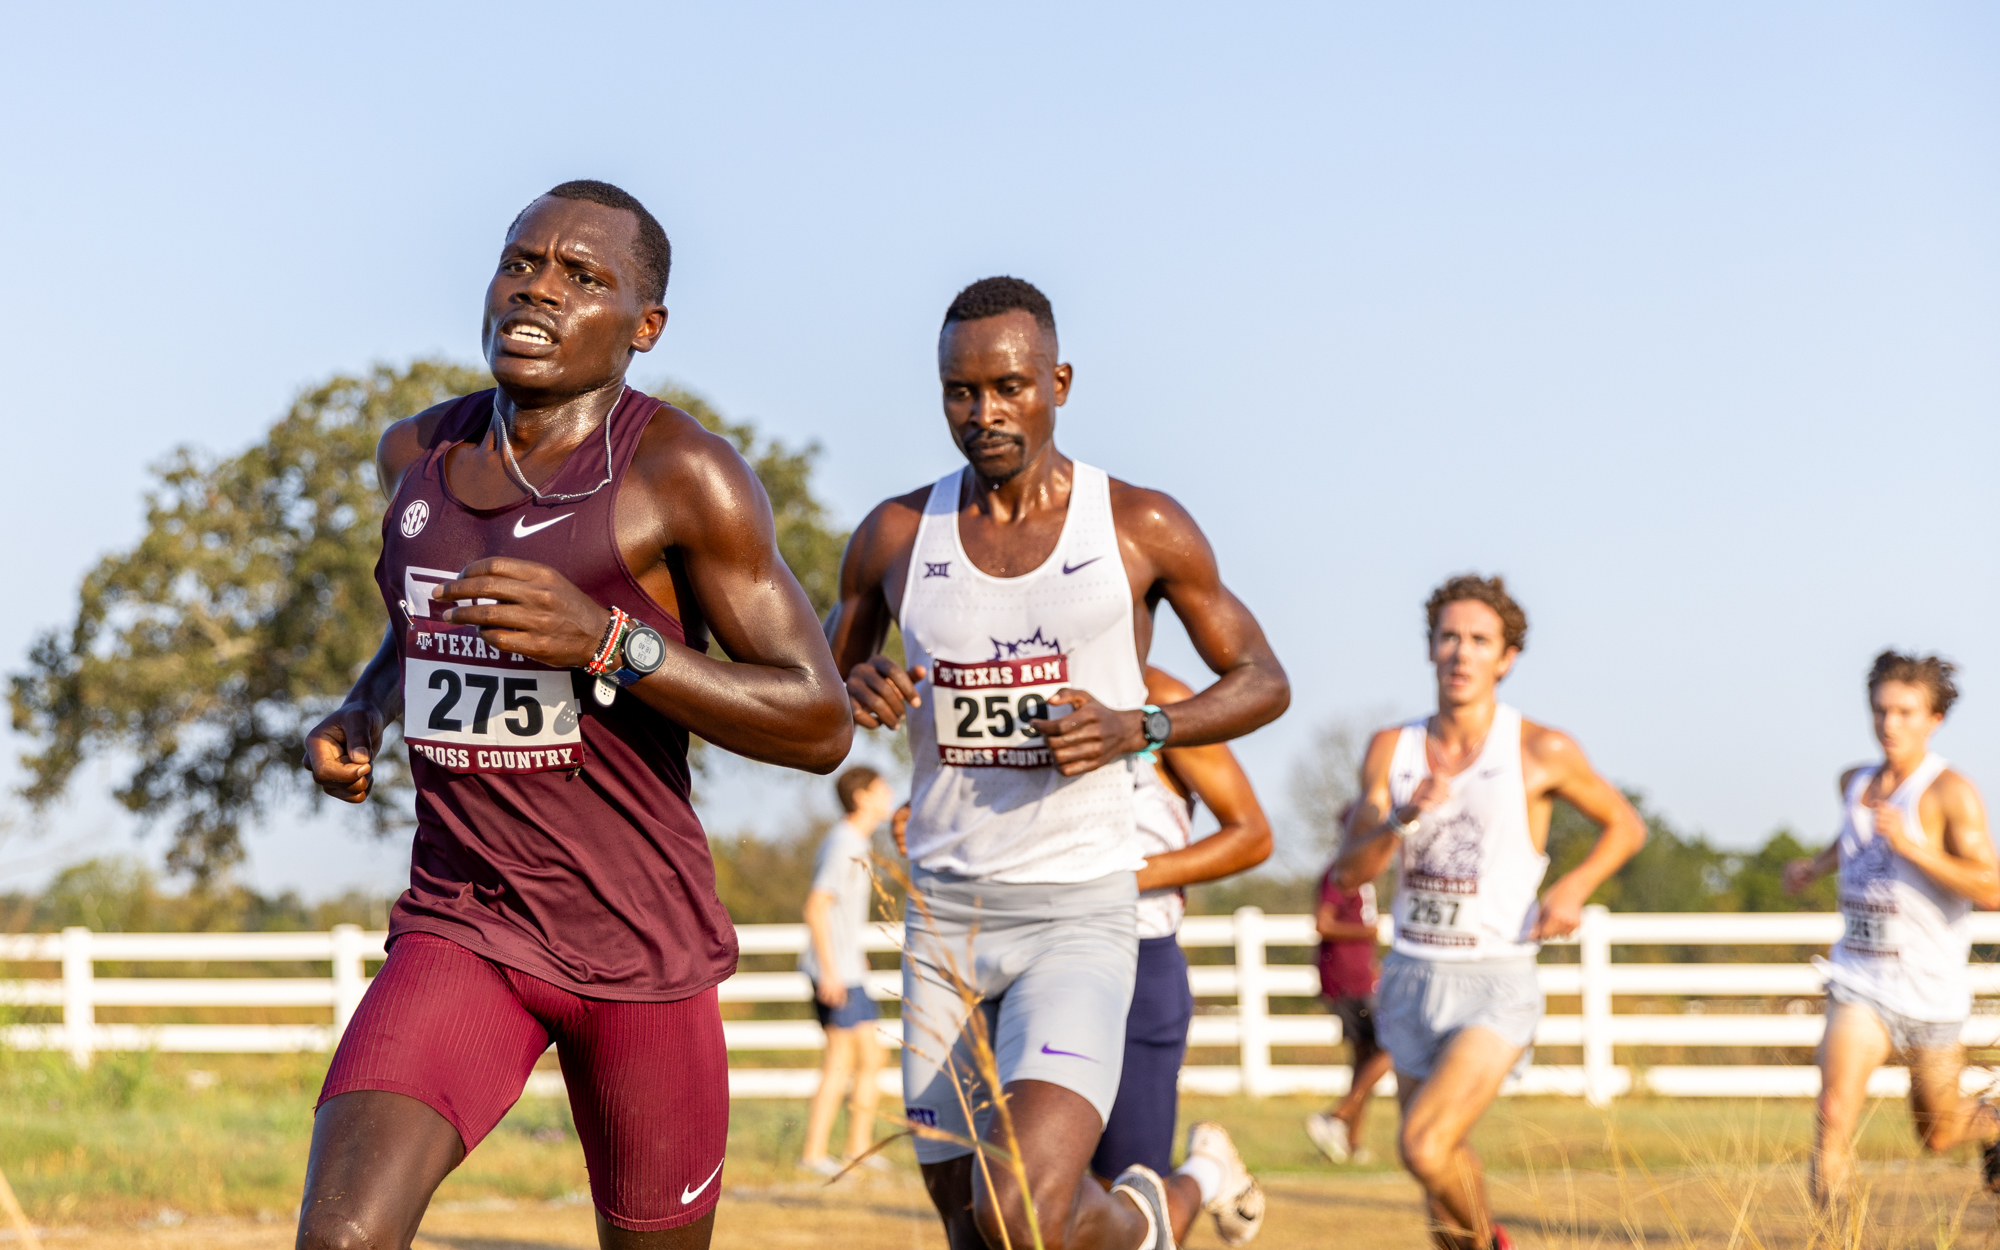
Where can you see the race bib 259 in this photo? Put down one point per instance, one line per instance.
(473, 708)
(983, 710)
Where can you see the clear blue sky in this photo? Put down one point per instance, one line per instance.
(1686, 319)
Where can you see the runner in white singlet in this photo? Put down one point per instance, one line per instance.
(1024, 585)
(1461, 801)
(1913, 856)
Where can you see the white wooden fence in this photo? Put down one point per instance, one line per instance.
(1249, 1027)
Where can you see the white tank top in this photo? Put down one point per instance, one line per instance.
(1470, 873)
(1907, 939)
(1166, 823)
(985, 800)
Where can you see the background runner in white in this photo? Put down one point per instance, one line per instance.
(1470, 870)
(1914, 857)
(1906, 940)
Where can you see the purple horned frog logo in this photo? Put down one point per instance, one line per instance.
(1874, 869)
(1448, 847)
(1022, 648)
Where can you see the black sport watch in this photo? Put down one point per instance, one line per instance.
(1156, 727)
(641, 655)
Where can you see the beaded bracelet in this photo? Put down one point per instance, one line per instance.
(606, 657)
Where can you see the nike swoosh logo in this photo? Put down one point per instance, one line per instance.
(1069, 568)
(522, 529)
(689, 1195)
(1067, 1054)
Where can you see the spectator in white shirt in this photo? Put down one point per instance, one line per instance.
(836, 913)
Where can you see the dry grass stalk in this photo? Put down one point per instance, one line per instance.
(972, 1029)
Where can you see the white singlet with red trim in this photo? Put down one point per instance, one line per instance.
(1166, 823)
(1907, 939)
(1470, 873)
(985, 800)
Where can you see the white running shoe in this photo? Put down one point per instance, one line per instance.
(827, 1167)
(1329, 1133)
(1149, 1193)
(1238, 1206)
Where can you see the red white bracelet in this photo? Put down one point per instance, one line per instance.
(606, 657)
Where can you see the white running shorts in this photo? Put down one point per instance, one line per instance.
(1053, 967)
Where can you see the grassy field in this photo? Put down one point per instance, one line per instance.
(162, 1149)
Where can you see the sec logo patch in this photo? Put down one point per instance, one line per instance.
(414, 517)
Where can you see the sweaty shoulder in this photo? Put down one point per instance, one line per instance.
(1152, 518)
(1551, 748)
(1956, 794)
(680, 454)
(1381, 749)
(889, 530)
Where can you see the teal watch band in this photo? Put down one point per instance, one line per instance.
(1152, 751)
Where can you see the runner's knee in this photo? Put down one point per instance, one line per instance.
(1426, 1153)
(333, 1229)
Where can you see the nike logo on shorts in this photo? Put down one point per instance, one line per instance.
(1071, 568)
(522, 529)
(689, 1195)
(1067, 1054)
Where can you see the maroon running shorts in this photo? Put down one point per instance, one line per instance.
(648, 1082)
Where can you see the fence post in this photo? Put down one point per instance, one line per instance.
(79, 1006)
(1253, 1013)
(1594, 939)
(348, 976)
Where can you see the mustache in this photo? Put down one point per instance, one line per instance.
(990, 436)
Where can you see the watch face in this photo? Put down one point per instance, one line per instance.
(643, 650)
(1157, 726)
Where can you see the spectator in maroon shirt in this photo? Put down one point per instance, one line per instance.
(1345, 920)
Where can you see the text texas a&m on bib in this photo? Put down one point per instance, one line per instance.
(473, 708)
(983, 710)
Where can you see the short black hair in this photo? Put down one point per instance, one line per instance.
(989, 297)
(655, 254)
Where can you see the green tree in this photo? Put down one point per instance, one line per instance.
(242, 616)
(1757, 880)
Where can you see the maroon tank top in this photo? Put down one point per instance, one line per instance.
(554, 835)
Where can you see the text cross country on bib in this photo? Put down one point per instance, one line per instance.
(474, 708)
(983, 710)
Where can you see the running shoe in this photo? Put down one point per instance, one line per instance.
(827, 1167)
(1501, 1241)
(1238, 1206)
(1149, 1193)
(1329, 1133)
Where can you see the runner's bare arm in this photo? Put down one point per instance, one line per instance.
(340, 751)
(1166, 552)
(830, 989)
(1212, 773)
(1805, 870)
(1367, 844)
(1965, 863)
(779, 701)
(880, 690)
(1566, 774)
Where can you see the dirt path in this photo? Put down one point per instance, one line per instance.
(1910, 1206)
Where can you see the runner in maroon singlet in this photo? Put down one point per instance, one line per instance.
(555, 556)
